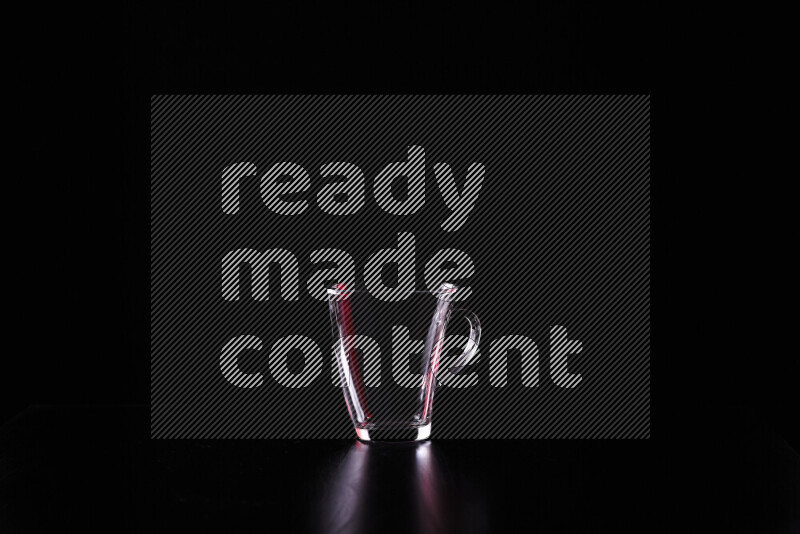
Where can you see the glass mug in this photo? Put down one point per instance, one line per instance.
(393, 400)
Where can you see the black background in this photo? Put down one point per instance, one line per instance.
(82, 210)
(86, 90)
(77, 198)
(79, 205)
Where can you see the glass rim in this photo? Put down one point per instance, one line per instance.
(445, 289)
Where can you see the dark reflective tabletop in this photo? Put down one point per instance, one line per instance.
(96, 468)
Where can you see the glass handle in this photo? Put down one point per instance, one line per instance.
(472, 345)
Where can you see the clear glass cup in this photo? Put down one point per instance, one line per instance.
(392, 398)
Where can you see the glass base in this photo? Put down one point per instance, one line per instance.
(376, 433)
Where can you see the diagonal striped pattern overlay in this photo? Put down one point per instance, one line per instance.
(547, 196)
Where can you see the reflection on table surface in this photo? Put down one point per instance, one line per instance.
(95, 469)
(403, 483)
